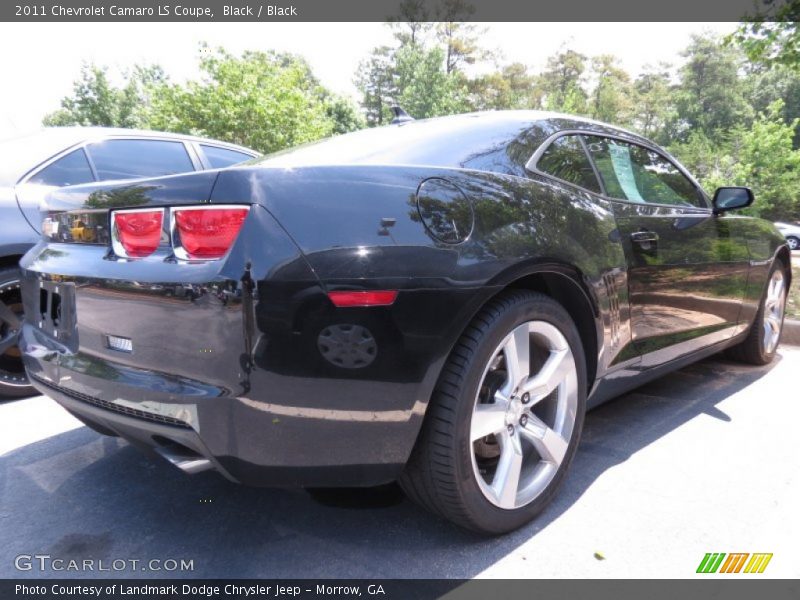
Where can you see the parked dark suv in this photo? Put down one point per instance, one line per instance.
(34, 165)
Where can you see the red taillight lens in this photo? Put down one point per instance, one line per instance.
(137, 233)
(207, 233)
(363, 298)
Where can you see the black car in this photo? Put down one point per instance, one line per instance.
(33, 165)
(436, 302)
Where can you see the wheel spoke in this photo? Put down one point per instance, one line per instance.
(7, 342)
(554, 371)
(773, 324)
(549, 444)
(777, 291)
(7, 316)
(506, 479)
(487, 419)
(517, 352)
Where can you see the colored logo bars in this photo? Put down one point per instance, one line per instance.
(719, 562)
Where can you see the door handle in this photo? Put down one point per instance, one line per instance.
(644, 237)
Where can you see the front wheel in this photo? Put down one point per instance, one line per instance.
(761, 343)
(794, 242)
(505, 418)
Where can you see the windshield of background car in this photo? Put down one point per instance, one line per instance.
(20, 155)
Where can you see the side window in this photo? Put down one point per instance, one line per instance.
(565, 158)
(637, 174)
(130, 159)
(223, 157)
(71, 169)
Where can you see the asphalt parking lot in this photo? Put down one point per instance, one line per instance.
(704, 460)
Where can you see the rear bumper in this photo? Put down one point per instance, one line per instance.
(275, 434)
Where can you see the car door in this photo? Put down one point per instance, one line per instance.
(687, 269)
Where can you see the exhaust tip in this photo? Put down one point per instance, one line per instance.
(186, 459)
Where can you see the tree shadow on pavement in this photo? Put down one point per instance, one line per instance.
(80, 495)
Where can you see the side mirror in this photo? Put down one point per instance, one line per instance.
(731, 198)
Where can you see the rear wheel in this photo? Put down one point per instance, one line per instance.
(505, 419)
(13, 380)
(761, 343)
(794, 242)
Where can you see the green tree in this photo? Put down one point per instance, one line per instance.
(654, 108)
(458, 37)
(612, 99)
(562, 82)
(424, 88)
(411, 24)
(375, 79)
(710, 93)
(764, 85)
(344, 114)
(772, 37)
(511, 87)
(96, 101)
(760, 156)
(769, 163)
(263, 100)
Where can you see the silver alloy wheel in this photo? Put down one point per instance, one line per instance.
(793, 242)
(774, 304)
(522, 425)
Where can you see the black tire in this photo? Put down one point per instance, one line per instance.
(440, 475)
(794, 242)
(13, 380)
(752, 350)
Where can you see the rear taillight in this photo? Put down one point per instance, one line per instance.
(196, 232)
(136, 233)
(206, 232)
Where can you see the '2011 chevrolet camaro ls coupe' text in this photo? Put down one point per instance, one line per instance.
(435, 302)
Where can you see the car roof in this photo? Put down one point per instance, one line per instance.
(450, 141)
(80, 134)
(530, 117)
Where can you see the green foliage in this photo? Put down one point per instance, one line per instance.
(761, 157)
(375, 79)
(613, 99)
(654, 108)
(263, 100)
(425, 89)
(562, 83)
(96, 101)
(772, 37)
(512, 87)
(769, 164)
(710, 96)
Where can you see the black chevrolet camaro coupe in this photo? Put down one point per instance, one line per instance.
(436, 302)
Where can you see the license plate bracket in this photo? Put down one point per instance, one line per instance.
(56, 310)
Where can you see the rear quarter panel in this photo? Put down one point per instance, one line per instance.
(338, 217)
